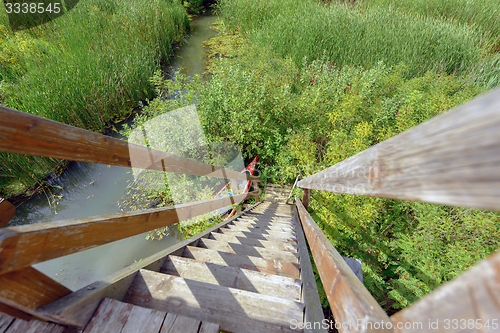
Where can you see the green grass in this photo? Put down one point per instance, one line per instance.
(88, 67)
(308, 30)
(483, 15)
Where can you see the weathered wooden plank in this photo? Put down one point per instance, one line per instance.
(283, 246)
(278, 267)
(264, 226)
(227, 276)
(111, 316)
(144, 320)
(278, 233)
(24, 133)
(77, 308)
(27, 289)
(13, 312)
(469, 303)
(180, 324)
(350, 301)
(36, 326)
(306, 197)
(253, 251)
(271, 238)
(234, 310)
(452, 159)
(54, 328)
(5, 322)
(18, 326)
(285, 224)
(7, 212)
(207, 327)
(313, 312)
(26, 245)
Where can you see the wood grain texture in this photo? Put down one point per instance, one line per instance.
(77, 308)
(452, 159)
(306, 197)
(7, 212)
(207, 327)
(28, 289)
(283, 246)
(5, 322)
(180, 324)
(233, 277)
(349, 300)
(23, 246)
(111, 316)
(13, 312)
(23, 133)
(144, 320)
(271, 238)
(472, 296)
(282, 268)
(234, 310)
(253, 251)
(313, 312)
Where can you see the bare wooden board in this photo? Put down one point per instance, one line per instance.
(110, 316)
(180, 324)
(237, 260)
(350, 301)
(207, 327)
(234, 310)
(276, 232)
(253, 251)
(77, 308)
(469, 303)
(5, 322)
(7, 212)
(27, 289)
(26, 245)
(452, 159)
(272, 238)
(283, 246)
(233, 277)
(266, 224)
(24, 133)
(144, 320)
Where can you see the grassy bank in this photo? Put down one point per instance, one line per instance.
(86, 68)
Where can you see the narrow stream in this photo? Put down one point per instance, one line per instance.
(86, 189)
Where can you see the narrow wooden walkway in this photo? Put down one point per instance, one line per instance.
(243, 277)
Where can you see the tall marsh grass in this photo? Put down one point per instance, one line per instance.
(349, 36)
(85, 69)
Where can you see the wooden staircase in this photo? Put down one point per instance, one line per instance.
(244, 277)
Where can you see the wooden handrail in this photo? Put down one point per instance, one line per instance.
(23, 246)
(24, 133)
(452, 159)
(353, 307)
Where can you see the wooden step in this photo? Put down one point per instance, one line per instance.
(239, 278)
(249, 228)
(266, 222)
(278, 267)
(260, 252)
(12, 325)
(232, 309)
(272, 238)
(113, 316)
(278, 245)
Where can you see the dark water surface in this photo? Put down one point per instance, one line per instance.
(86, 189)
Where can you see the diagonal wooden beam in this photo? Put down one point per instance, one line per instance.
(24, 133)
(23, 246)
(452, 159)
(7, 212)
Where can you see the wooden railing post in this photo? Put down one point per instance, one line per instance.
(306, 198)
(256, 188)
(7, 212)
